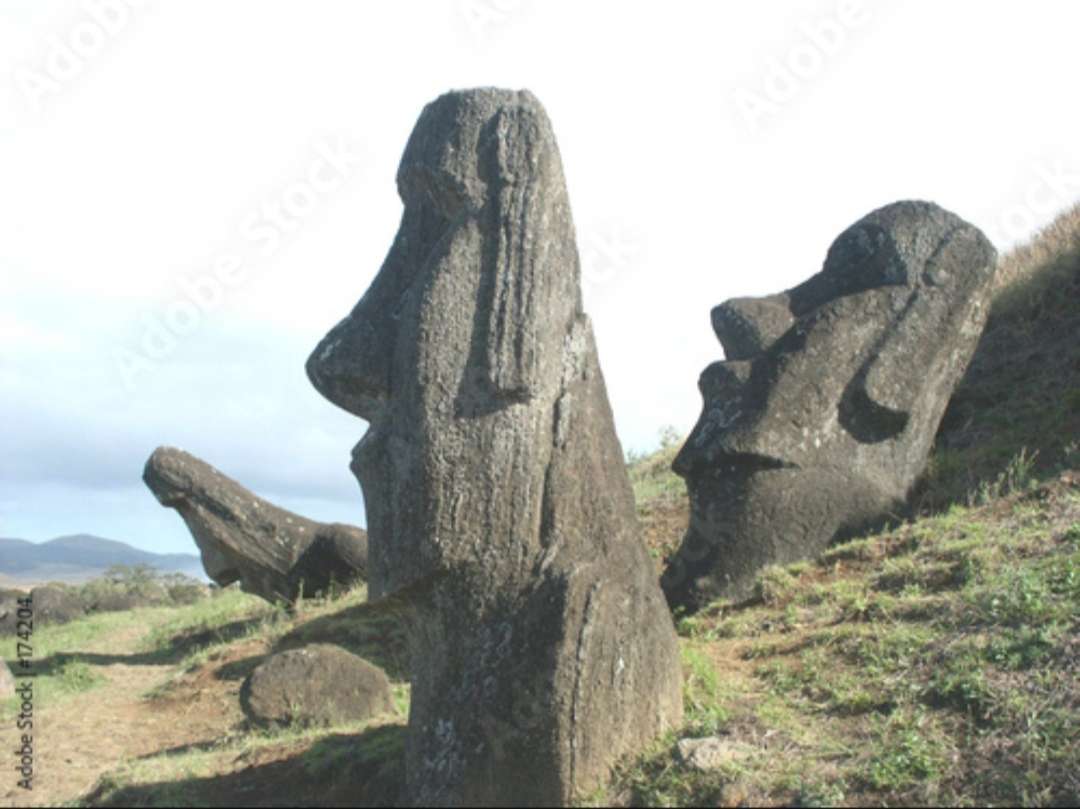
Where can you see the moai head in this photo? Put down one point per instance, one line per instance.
(458, 348)
(824, 411)
(498, 502)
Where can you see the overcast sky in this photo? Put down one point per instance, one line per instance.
(192, 193)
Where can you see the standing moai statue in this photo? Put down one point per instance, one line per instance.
(823, 414)
(497, 498)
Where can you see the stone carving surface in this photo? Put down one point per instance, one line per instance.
(320, 684)
(823, 413)
(497, 498)
(273, 553)
(56, 604)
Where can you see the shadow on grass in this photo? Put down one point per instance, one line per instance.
(368, 630)
(340, 770)
(176, 651)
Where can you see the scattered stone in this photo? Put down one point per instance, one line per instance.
(711, 753)
(497, 497)
(7, 682)
(9, 606)
(822, 416)
(56, 604)
(272, 552)
(320, 684)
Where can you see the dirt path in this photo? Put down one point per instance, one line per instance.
(83, 736)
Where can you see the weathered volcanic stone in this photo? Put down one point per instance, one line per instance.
(9, 607)
(496, 493)
(320, 684)
(272, 552)
(55, 604)
(823, 414)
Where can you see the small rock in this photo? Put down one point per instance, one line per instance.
(320, 684)
(711, 753)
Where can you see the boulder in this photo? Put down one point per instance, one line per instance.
(498, 502)
(320, 684)
(7, 681)
(273, 553)
(818, 422)
(56, 604)
(9, 606)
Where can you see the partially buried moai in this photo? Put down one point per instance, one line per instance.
(823, 414)
(497, 500)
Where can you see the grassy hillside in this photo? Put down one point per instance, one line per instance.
(937, 662)
(1019, 404)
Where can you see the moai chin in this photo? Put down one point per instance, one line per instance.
(497, 499)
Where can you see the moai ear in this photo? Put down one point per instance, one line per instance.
(937, 311)
(529, 287)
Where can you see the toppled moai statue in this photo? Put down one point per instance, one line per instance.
(273, 553)
(497, 498)
(823, 414)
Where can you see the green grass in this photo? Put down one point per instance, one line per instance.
(1015, 417)
(181, 778)
(55, 664)
(927, 664)
(933, 663)
(653, 480)
(198, 636)
(211, 622)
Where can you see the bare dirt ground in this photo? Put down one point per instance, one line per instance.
(80, 737)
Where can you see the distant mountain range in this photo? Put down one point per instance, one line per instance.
(81, 557)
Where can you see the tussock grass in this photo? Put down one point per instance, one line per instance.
(1015, 416)
(934, 663)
